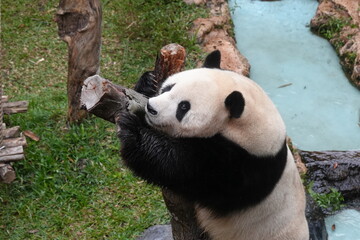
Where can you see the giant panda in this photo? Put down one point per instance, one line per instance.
(214, 137)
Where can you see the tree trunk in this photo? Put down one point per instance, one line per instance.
(106, 100)
(79, 23)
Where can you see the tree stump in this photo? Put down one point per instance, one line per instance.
(79, 23)
(106, 100)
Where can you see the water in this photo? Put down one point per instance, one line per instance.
(321, 108)
(346, 225)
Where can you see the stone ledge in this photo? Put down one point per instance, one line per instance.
(213, 34)
(347, 41)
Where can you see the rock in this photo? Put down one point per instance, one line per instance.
(330, 169)
(340, 20)
(157, 232)
(213, 34)
(334, 169)
(315, 218)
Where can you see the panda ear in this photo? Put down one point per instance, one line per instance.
(213, 60)
(235, 103)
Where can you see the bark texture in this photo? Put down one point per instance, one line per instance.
(79, 23)
(107, 100)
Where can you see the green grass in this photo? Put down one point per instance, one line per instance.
(71, 184)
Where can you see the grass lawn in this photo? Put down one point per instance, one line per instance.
(71, 184)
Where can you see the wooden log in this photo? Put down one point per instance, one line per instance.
(14, 142)
(12, 158)
(18, 104)
(15, 107)
(12, 132)
(7, 173)
(170, 60)
(183, 219)
(79, 24)
(107, 100)
(8, 151)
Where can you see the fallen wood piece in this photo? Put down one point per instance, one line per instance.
(12, 158)
(7, 173)
(16, 104)
(11, 132)
(31, 135)
(4, 99)
(13, 142)
(107, 100)
(15, 107)
(11, 151)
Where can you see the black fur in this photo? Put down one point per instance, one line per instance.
(213, 172)
(235, 102)
(167, 88)
(213, 60)
(147, 84)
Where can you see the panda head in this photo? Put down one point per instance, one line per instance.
(194, 103)
(206, 101)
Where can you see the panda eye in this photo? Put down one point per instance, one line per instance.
(184, 105)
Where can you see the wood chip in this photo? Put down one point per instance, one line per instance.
(31, 135)
(33, 231)
(333, 227)
(335, 165)
(285, 85)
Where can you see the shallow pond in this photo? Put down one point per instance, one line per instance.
(300, 71)
(345, 225)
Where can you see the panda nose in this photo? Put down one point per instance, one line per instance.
(151, 110)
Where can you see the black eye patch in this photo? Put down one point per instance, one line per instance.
(167, 88)
(182, 109)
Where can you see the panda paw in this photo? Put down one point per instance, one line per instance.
(129, 124)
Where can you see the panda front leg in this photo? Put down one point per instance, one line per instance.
(156, 157)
